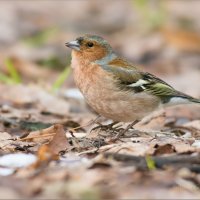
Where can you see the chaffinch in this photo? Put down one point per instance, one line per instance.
(114, 87)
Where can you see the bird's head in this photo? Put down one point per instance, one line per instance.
(90, 47)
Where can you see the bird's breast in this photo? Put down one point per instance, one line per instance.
(93, 82)
(102, 94)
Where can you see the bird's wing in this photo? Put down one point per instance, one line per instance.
(138, 81)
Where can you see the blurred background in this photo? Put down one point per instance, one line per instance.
(162, 37)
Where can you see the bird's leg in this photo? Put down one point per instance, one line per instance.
(85, 125)
(121, 133)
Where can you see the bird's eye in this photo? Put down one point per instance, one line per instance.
(90, 44)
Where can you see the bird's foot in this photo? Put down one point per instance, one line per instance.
(123, 131)
(108, 127)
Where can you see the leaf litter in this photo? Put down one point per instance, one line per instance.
(53, 153)
(64, 159)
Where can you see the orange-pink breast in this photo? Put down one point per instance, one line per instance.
(102, 94)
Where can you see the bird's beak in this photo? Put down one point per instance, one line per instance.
(73, 45)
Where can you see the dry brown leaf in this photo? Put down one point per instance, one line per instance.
(59, 141)
(40, 136)
(179, 144)
(164, 149)
(50, 151)
(45, 154)
(5, 141)
(4, 138)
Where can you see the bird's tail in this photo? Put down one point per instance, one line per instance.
(182, 99)
(193, 100)
(188, 98)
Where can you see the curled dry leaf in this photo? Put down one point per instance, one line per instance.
(59, 142)
(50, 151)
(40, 136)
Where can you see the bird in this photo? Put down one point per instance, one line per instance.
(114, 87)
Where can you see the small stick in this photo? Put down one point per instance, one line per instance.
(160, 161)
(36, 136)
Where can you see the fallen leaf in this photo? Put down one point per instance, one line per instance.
(40, 136)
(164, 149)
(50, 151)
(5, 140)
(59, 142)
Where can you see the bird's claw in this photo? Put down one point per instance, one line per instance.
(106, 127)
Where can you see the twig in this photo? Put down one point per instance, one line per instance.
(89, 151)
(160, 161)
(36, 136)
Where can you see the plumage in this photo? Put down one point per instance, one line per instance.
(114, 87)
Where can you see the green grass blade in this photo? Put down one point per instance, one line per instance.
(150, 163)
(14, 75)
(5, 79)
(61, 79)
